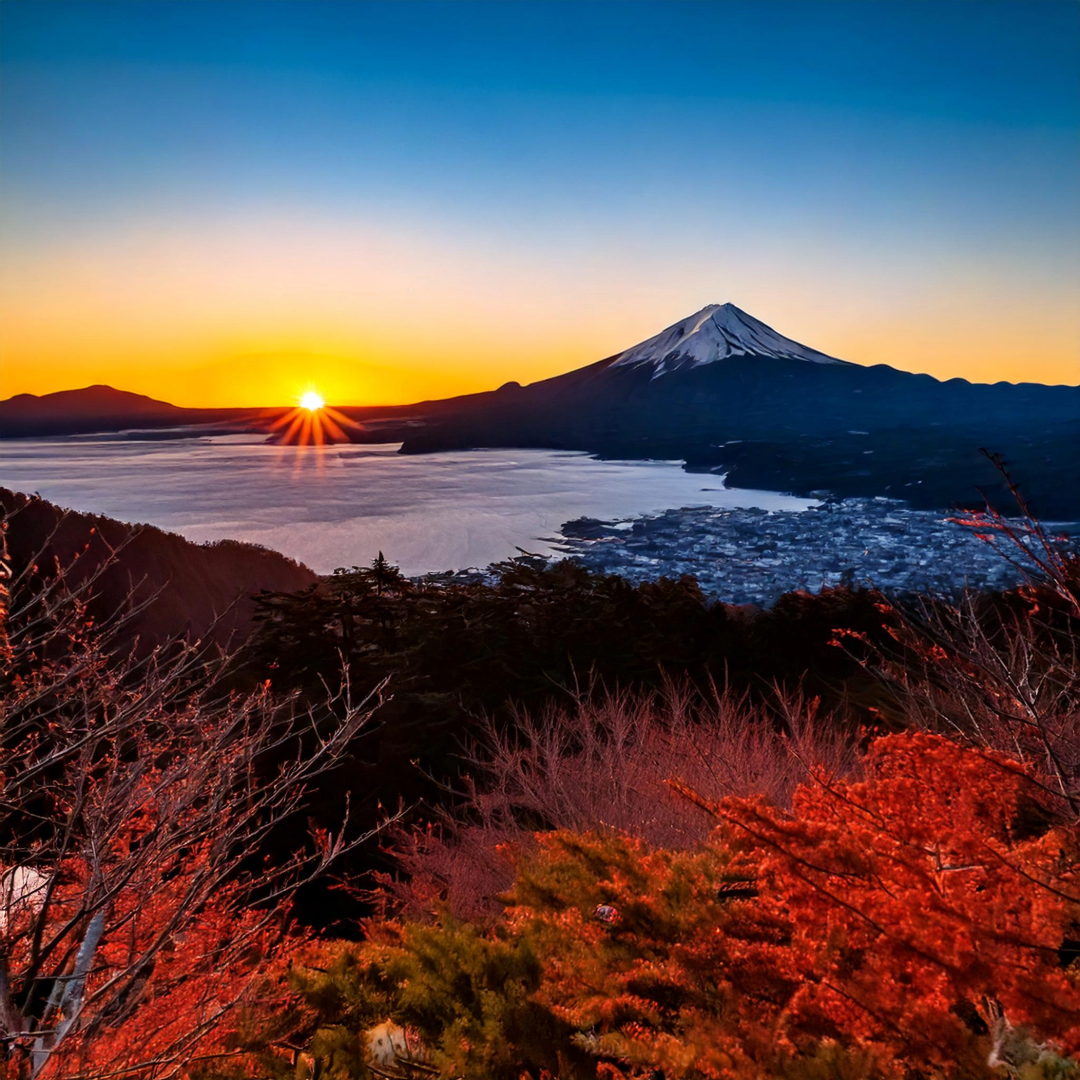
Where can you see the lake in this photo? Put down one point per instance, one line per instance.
(339, 505)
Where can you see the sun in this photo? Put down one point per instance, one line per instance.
(313, 423)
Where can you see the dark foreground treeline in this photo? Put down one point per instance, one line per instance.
(640, 833)
(462, 659)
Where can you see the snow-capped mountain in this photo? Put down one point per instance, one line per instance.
(723, 391)
(716, 332)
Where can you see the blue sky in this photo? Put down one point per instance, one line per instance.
(884, 179)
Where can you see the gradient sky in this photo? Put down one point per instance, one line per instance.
(226, 203)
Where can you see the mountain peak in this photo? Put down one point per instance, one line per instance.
(85, 404)
(716, 332)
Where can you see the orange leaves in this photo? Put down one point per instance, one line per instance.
(895, 924)
(164, 976)
(660, 985)
(910, 900)
(876, 918)
(142, 790)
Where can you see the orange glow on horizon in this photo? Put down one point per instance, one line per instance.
(215, 314)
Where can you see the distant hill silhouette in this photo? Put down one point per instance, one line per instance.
(103, 408)
(197, 584)
(90, 401)
(99, 408)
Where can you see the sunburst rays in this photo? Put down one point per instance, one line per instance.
(312, 423)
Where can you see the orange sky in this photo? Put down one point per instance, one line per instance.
(245, 311)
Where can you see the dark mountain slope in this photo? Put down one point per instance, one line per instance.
(786, 422)
(197, 583)
(93, 409)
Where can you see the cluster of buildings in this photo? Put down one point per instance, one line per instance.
(754, 556)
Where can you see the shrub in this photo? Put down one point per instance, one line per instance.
(888, 925)
(603, 765)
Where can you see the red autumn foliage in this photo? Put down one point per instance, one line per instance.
(136, 796)
(897, 914)
(912, 895)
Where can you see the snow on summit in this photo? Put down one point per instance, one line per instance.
(716, 332)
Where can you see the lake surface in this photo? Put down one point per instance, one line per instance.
(339, 505)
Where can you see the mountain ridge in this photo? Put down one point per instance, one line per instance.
(102, 408)
(97, 396)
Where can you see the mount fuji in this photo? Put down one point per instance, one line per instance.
(724, 392)
(716, 332)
